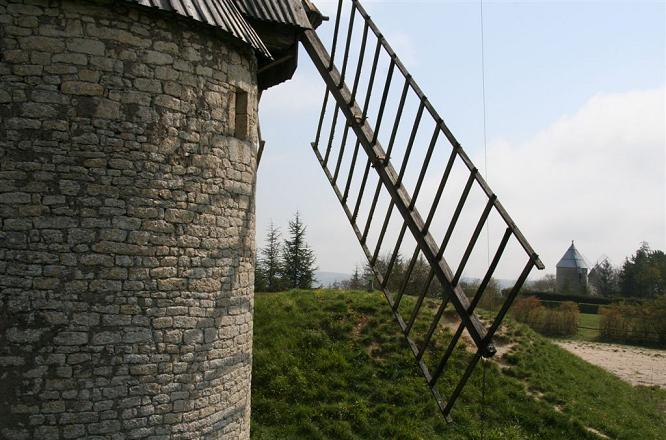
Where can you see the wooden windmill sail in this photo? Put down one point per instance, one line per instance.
(128, 170)
(373, 149)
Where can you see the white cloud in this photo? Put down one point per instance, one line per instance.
(303, 92)
(596, 177)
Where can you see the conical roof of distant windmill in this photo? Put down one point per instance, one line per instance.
(573, 259)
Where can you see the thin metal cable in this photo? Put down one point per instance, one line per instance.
(485, 136)
(485, 166)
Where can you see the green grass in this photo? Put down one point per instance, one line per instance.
(592, 332)
(330, 364)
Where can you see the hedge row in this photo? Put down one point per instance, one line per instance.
(635, 323)
(592, 309)
(588, 299)
(560, 321)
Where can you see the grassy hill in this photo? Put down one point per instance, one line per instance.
(330, 364)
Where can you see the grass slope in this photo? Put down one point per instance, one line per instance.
(330, 364)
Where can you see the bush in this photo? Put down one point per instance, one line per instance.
(612, 325)
(635, 323)
(492, 297)
(527, 309)
(561, 321)
(491, 301)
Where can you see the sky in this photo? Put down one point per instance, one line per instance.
(575, 134)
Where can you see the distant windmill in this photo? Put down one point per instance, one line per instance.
(129, 144)
(571, 275)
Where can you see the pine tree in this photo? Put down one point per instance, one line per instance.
(259, 276)
(605, 278)
(356, 283)
(395, 277)
(298, 260)
(368, 279)
(270, 259)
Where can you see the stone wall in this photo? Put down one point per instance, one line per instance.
(127, 214)
(571, 280)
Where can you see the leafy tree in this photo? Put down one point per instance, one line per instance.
(298, 260)
(269, 264)
(418, 277)
(491, 298)
(644, 274)
(545, 284)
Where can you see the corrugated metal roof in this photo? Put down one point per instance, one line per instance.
(572, 259)
(277, 11)
(223, 14)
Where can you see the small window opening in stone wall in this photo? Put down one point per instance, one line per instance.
(241, 119)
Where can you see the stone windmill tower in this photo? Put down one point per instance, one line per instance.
(128, 150)
(571, 272)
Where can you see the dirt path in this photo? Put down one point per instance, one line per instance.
(636, 365)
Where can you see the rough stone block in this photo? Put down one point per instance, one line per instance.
(178, 216)
(28, 70)
(107, 109)
(193, 336)
(73, 431)
(69, 63)
(70, 338)
(23, 336)
(137, 335)
(104, 338)
(169, 102)
(156, 58)
(42, 44)
(148, 85)
(13, 198)
(82, 88)
(85, 45)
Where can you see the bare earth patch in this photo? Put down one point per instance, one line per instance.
(636, 365)
(359, 326)
(502, 344)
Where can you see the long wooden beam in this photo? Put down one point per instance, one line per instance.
(396, 190)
